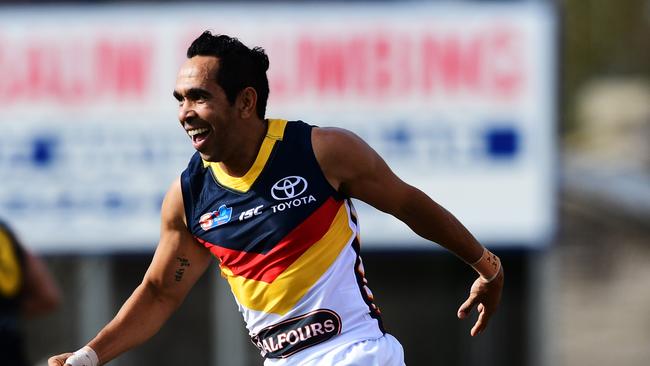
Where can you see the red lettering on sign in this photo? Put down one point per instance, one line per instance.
(505, 63)
(122, 67)
(378, 65)
(450, 64)
(371, 64)
(73, 71)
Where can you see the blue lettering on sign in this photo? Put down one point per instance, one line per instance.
(113, 201)
(16, 203)
(64, 202)
(502, 142)
(399, 135)
(398, 140)
(43, 150)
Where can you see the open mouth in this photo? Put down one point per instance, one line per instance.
(198, 135)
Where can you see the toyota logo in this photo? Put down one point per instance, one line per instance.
(288, 187)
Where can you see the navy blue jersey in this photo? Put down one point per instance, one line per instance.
(287, 243)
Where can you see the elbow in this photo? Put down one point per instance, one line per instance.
(410, 207)
(160, 292)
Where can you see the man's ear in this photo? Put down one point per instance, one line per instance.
(247, 103)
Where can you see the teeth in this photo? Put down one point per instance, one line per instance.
(196, 131)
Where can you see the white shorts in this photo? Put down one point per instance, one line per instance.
(383, 351)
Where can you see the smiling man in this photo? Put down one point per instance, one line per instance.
(271, 200)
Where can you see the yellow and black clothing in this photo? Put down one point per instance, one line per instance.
(12, 264)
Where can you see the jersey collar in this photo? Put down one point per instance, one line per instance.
(274, 133)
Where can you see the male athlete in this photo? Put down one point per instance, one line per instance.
(271, 200)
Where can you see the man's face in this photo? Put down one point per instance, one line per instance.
(204, 111)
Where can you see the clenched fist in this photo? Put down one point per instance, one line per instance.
(58, 360)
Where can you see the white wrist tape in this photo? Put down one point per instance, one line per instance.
(83, 357)
(488, 266)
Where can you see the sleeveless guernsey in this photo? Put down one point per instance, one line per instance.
(287, 243)
(12, 285)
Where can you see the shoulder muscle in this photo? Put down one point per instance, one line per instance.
(173, 211)
(342, 155)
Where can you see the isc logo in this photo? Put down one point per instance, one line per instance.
(250, 213)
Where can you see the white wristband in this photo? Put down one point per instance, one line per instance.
(83, 357)
(488, 266)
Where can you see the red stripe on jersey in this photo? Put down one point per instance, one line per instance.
(266, 267)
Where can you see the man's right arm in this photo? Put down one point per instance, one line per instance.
(178, 263)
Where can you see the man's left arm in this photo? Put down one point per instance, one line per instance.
(355, 169)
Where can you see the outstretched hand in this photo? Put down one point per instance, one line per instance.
(486, 297)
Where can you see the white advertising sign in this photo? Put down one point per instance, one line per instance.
(459, 100)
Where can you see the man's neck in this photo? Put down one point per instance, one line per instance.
(251, 135)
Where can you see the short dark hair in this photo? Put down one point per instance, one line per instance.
(239, 66)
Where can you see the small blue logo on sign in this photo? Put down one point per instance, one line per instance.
(502, 143)
(215, 218)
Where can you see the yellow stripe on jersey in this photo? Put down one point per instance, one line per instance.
(288, 288)
(274, 133)
(10, 272)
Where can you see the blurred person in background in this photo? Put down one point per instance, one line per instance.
(271, 199)
(26, 289)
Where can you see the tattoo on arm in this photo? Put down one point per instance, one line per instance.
(182, 263)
